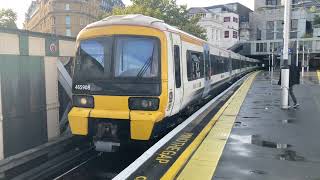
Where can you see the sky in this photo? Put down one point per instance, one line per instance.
(21, 6)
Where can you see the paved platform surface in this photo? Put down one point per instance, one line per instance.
(269, 143)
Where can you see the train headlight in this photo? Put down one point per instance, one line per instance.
(145, 104)
(83, 101)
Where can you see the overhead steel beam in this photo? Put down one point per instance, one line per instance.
(64, 78)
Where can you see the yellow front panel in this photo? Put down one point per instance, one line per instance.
(111, 114)
(111, 103)
(78, 120)
(142, 123)
(141, 130)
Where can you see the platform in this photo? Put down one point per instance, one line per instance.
(247, 137)
(266, 142)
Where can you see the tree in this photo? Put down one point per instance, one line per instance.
(8, 18)
(316, 20)
(166, 10)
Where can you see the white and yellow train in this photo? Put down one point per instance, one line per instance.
(133, 72)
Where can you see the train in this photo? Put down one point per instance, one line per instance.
(133, 73)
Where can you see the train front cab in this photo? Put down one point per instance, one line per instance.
(143, 101)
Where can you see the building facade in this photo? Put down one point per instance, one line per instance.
(211, 22)
(226, 25)
(266, 24)
(65, 17)
(266, 32)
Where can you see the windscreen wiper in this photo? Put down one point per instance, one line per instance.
(146, 65)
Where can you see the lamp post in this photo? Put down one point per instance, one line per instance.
(297, 54)
(302, 66)
(308, 60)
(269, 62)
(285, 68)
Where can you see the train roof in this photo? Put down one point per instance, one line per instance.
(146, 21)
(138, 20)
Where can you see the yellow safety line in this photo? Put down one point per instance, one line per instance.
(318, 72)
(180, 162)
(204, 161)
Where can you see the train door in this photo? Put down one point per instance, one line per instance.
(230, 64)
(178, 87)
(206, 70)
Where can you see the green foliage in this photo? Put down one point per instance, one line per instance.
(306, 35)
(313, 9)
(166, 10)
(316, 20)
(8, 18)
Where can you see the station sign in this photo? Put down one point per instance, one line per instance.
(52, 46)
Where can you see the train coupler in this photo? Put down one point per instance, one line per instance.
(106, 146)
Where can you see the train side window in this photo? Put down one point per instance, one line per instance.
(195, 65)
(225, 65)
(222, 64)
(177, 69)
(219, 67)
(207, 63)
(213, 65)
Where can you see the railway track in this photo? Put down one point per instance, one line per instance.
(103, 165)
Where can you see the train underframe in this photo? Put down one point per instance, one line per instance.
(109, 134)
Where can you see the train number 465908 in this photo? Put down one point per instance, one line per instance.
(82, 87)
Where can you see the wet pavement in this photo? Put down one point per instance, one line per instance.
(269, 143)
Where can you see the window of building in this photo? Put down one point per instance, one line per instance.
(279, 27)
(270, 30)
(258, 34)
(235, 20)
(53, 20)
(261, 47)
(226, 34)
(81, 21)
(68, 32)
(294, 28)
(258, 47)
(195, 65)
(212, 33)
(235, 34)
(67, 7)
(217, 35)
(294, 24)
(294, 2)
(68, 20)
(226, 19)
(265, 47)
(272, 2)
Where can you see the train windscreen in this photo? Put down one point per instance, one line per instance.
(118, 59)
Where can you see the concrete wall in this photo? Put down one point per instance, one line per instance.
(33, 62)
(9, 43)
(52, 96)
(1, 124)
